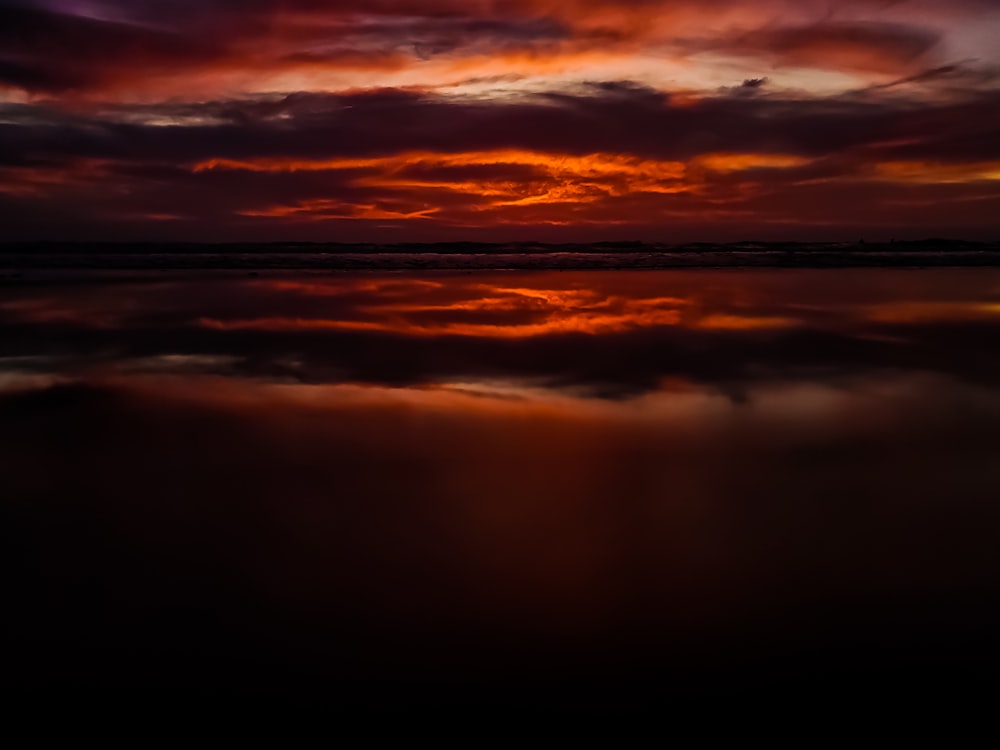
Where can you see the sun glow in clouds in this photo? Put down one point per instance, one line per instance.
(667, 120)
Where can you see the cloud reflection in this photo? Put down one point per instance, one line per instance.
(650, 485)
(602, 333)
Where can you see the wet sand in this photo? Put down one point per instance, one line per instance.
(546, 491)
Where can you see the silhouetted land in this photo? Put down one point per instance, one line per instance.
(476, 255)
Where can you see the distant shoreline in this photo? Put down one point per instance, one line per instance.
(483, 256)
(61, 247)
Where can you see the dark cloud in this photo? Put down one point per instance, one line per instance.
(616, 118)
(49, 51)
(193, 160)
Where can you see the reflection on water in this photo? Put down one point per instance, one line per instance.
(616, 486)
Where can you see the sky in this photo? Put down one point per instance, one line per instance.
(506, 120)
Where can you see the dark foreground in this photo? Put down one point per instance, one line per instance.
(501, 491)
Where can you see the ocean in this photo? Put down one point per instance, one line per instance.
(555, 490)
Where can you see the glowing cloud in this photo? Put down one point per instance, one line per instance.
(439, 119)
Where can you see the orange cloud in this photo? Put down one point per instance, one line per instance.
(931, 312)
(322, 209)
(917, 172)
(506, 180)
(244, 49)
(495, 311)
(364, 119)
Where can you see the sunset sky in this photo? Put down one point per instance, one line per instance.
(554, 120)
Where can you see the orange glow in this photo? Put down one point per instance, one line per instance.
(740, 162)
(591, 165)
(744, 323)
(388, 121)
(321, 209)
(937, 173)
(929, 312)
(430, 182)
(535, 304)
(505, 312)
(589, 324)
(596, 164)
(560, 312)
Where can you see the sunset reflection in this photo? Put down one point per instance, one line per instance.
(527, 305)
(669, 483)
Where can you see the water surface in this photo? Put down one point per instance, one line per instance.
(548, 488)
